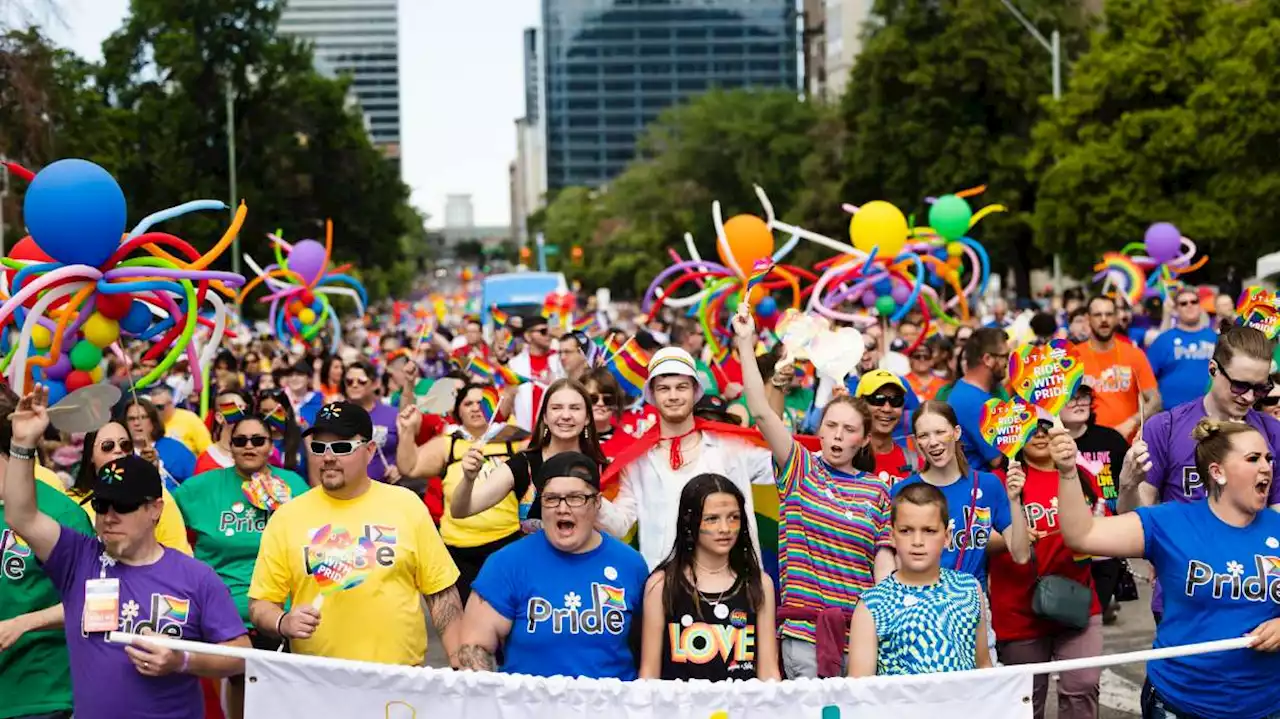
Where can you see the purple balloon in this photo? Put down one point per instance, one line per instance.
(869, 298)
(60, 369)
(1164, 242)
(900, 293)
(307, 259)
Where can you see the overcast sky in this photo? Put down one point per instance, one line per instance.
(461, 89)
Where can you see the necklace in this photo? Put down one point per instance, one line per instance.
(718, 608)
(719, 570)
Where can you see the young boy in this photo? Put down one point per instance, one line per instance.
(922, 618)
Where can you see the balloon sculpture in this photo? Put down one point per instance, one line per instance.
(1154, 274)
(299, 281)
(890, 267)
(75, 288)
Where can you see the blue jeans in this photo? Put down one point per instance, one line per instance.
(1155, 707)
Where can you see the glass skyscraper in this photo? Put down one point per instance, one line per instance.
(611, 66)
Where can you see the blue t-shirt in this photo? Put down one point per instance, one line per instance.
(967, 400)
(990, 513)
(1180, 360)
(1220, 582)
(571, 614)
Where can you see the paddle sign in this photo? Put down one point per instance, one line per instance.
(1007, 425)
(1047, 375)
(1260, 309)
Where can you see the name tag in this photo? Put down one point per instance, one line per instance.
(101, 605)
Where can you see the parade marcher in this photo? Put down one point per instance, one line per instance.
(230, 406)
(538, 362)
(986, 364)
(358, 387)
(35, 678)
(525, 591)
(922, 618)
(834, 539)
(710, 585)
(606, 398)
(1271, 403)
(137, 585)
(473, 344)
(1124, 387)
(1216, 552)
(286, 437)
(181, 424)
(886, 396)
(408, 558)
(1180, 355)
(922, 378)
(470, 538)
(332, 371)
(1026, 637)
(573, 355)
(297, 384)
(226, 511)
(175, 462)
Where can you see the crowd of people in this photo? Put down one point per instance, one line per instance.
(334, 503)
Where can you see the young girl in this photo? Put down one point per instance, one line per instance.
(922, 618)
(710, 590)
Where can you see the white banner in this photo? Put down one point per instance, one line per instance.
(353, 690)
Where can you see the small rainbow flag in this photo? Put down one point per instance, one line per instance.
(499, 317)
(630, 366)
(276, 419)
(231, 412)
(612, 597)
(174, 608)
(613, 345)
(501, 375)
(759, 271)
(426, 334)
(489, 399)
(981, 515)
(584, 324)
(1272, 565)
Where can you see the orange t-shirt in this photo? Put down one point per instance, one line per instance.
(1118, 376)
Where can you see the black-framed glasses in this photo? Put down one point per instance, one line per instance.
(575, 501)
(243, 441)
(110, 445)
(341, 448)
(1240, 389)
(893, 400)
(536, 331)
(102, 506)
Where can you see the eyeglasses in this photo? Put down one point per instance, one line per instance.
(1239, 388)
(243, 441)
(341, 448)
(575, 501)
(125, 445)
(605, 399)
(102, 506)
(1187, 303)
(922, 356)
(357, 381)
(536, 331)
(270, 394)
(893, 400)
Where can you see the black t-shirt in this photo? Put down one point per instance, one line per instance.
(714, 640)
(1102, 451)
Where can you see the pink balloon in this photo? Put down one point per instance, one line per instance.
(307, 259)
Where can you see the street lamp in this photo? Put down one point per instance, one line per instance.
(233, 203)
(4, 195)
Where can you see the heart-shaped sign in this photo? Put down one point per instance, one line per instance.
(1007, 425)
(796, 331)
(439, 399)
(1260, 309)
(1046, 376)
(836, 354)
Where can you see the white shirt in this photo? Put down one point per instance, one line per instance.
(649, 491)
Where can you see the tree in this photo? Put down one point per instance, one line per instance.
(1171, 116)
(943, 97)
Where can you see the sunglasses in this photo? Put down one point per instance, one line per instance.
(243, 441)
(880, 400)
(1239, 388)
(102, 506)
(922, 356)
(341, 448)
(1269, 401)
(1187, 303)
(536, 331)
(605, 399)
(357, 381)
(125, 445)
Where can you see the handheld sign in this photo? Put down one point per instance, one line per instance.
(1260, 309)
(796, 331)
(1046, 376)
(1007, 425)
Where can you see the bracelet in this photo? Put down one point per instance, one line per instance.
(186, 662)
(279, 622)
(17, 451)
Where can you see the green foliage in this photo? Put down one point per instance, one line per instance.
(1172, 116)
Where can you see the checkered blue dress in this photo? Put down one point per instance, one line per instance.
(921, 630)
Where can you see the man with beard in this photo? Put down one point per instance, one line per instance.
(655, 469)
(1122, 380)
(311, 544)
(986, 359)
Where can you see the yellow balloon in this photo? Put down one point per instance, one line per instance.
(955, 249)
(96, 374)
(100, 331)
(307, 315)
(41, 337)
(879, 224)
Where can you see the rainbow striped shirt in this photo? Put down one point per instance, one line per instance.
(832, 526)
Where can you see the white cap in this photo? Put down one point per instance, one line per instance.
(672, 360)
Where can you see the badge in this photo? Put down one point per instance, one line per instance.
(101, 605)
(721, 611)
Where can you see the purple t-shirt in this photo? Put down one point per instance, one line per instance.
(177, 597)
(1173, 458)
(384, 420)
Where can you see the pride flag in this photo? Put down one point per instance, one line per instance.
(630, 366)
(759, 271)
(498, 374)
(489, 403)
(499, 317)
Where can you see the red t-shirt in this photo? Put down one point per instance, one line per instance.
(538, 365)
(894, 463)
(432, 425)
(466, 351)
(1012, 586)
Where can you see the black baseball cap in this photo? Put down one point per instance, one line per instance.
(343, 419)
(299, 368)
(531, 321)
(568, 464)
(710, 404)
(128, 479)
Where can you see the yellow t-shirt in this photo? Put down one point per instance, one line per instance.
(497, 522)
(171, 531)
(186, 427)
(382, 545)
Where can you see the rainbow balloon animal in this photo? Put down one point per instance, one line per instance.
(74, 287)
(299, 281)
(1149, 268)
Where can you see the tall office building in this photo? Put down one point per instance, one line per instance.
(610, 66)
(529, 174)
(459, 212)
(357, 38)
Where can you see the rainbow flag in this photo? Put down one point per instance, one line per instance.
(759, 271)
(630, 366)
(612, 345)
(480, 368)
(1272, 565)
(612, 597)
(584, 324)
(175, 608)
(231, 412)
(426, 334)
(489, 399)
(501, 375)
(499, 317)
(276, 418)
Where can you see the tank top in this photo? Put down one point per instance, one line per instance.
(712, 637)
(497, 522)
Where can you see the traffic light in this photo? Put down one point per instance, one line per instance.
(525, 254)
(576, 253)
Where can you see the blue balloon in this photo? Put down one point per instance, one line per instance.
(57, 391)
(884, 287)
(75, 212)
(767, 307)
(137, 320)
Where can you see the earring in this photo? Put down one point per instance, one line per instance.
(546, 434)
(1222, 481)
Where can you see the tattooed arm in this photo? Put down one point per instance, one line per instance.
(483, 630)
(446, 614)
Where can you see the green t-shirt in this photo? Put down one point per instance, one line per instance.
(35, 673)
(226, 529)
(709, 384)
(795, 407)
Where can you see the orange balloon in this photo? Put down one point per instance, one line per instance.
(756, 294)
(749, 239)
